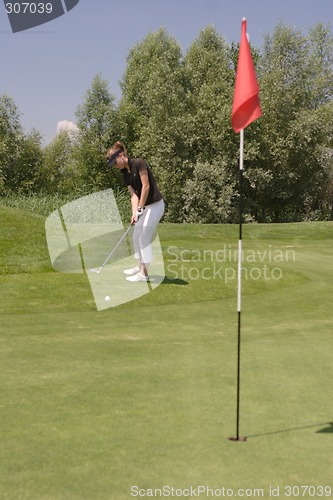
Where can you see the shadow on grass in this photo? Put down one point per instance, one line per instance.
(173, 281)
(326, 430)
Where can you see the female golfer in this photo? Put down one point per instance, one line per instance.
(147, 206)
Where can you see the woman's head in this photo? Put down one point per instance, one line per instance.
(116, 155)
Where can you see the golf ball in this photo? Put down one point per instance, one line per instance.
(107, 298)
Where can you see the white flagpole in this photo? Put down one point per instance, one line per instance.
(241, 162)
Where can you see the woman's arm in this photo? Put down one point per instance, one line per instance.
(134, 203)
(145, 187)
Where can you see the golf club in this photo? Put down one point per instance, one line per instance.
(112, 252)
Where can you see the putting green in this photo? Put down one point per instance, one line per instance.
(118, 403)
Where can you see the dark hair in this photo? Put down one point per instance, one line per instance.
(118, 146)
(113, 153)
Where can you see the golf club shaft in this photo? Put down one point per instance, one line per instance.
(115, 248)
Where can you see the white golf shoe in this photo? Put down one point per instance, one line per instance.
(132, 271)
(137, 278)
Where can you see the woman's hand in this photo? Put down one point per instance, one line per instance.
(137, 215)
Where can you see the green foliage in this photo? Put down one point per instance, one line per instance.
(28, 161)
(20, 154)
(291, 171)
(43, 203)
(175, 111)
(210, 89)
(155, 100)
(10, 135)
(320, 62)
(98, 124)
(209, 194)
(58, 172)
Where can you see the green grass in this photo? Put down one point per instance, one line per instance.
(93, 403)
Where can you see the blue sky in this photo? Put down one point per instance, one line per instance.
(47, 70)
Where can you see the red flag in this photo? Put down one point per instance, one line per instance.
(246, 105)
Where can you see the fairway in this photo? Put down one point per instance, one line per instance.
(118, 403)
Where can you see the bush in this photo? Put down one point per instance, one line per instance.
(208, 195)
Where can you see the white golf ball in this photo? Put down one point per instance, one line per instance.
(107, 298)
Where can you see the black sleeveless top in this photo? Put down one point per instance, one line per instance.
(133, 179)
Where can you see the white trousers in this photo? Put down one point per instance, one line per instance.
(145, 230)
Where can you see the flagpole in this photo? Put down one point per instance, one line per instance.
(239, 282)
(239, 287)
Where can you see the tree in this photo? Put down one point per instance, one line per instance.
(10, 135)
(58, 172)
(320, 62)
(208, 195)
(154, 111)
(27, 164)
(210, 89)
(209, 189)
(292, 132)
(98, 126)
(20, 154)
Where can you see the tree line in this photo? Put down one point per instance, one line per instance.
(175, 111)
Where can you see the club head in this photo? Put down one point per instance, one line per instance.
(97, 271)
